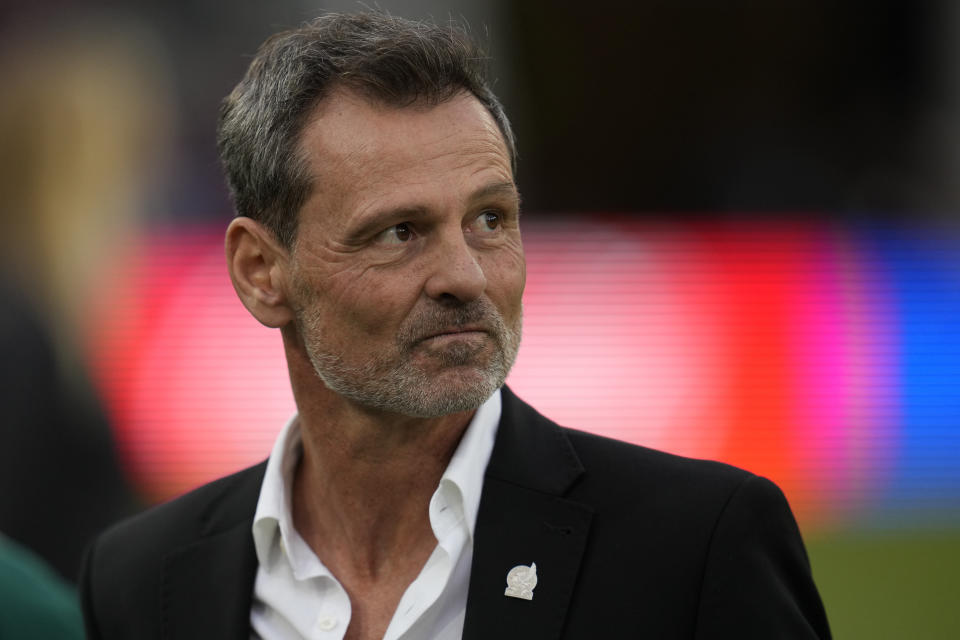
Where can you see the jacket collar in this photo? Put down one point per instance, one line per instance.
(531, 450)
(208, 584)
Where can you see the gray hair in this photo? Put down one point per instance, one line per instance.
(383, 58)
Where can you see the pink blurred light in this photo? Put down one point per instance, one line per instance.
(726, 342)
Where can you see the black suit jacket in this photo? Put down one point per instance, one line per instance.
(628, 542)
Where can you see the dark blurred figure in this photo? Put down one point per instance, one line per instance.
(61, 480)
(83, 128)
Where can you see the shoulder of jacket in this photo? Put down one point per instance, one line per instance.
(605, 456)
(205, 510)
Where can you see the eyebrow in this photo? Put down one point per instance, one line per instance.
(496, 189)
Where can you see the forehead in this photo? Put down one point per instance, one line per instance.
(351, 143)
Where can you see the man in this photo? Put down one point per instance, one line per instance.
(413, 496)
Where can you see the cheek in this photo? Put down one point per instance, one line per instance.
(506, 277)
(376, 305)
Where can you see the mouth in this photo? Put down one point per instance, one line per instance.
(464, 331)
(452, 333)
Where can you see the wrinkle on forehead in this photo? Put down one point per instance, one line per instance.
(332, 138)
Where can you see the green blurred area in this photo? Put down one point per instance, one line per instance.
(889, 585)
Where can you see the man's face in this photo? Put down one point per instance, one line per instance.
(408, 267)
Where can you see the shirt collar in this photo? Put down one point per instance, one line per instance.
(469, 462)
(461, 483)
(273, 510)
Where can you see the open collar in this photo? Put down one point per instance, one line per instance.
(523, 518)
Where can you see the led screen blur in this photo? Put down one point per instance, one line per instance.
(824, 356)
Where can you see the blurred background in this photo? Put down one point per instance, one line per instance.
(742, 222)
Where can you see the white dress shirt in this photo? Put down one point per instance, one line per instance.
(295, 596)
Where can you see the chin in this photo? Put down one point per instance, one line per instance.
(454, 390)
(429, 384)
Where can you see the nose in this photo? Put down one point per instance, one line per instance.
(455, 272)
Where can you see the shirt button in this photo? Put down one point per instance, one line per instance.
(326, 623)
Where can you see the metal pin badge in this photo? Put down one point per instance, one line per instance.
(520, 581)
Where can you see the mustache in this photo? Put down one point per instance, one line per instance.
(477, 314)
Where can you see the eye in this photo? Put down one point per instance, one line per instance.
(487, 222)
(395, 235)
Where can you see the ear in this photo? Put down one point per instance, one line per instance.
(257, 265)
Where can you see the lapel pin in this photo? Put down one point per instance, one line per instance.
(520, 582)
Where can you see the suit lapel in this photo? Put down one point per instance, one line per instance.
(524, 519)
(208, 584)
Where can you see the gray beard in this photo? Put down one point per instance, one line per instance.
(394, 384)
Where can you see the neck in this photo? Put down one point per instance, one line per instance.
(362, 490)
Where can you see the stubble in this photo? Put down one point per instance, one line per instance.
(461, 376)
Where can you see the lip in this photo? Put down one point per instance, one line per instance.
(453, 332)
